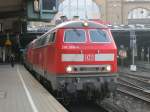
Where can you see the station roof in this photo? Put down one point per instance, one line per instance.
(80, 24)
(136, 27)
(11, 8)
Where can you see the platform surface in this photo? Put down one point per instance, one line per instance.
(20, 92)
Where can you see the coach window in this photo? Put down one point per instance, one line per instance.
(74, 36)
(98, 36)
(52, 37)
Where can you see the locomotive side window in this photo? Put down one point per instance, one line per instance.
(98, 36)
(38, 43)
(74, 36)
(52, 37)
(43, 40)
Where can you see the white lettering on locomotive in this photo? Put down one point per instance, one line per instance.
(70, 47)
(89, 57)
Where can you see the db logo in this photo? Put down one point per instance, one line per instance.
(89, 57)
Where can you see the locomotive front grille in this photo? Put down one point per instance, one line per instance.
(89, 69)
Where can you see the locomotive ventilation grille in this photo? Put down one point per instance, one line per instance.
(90, 69)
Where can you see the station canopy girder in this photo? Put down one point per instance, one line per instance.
(11, 8)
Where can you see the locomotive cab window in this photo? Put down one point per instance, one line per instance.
(42, 41)
(74, 36)
(52, 37)
(98, 36)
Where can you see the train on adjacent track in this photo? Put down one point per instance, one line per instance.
(74, 58)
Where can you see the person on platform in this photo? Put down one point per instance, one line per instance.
(12, 59)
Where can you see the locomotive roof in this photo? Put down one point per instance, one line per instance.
(77, 24)
(80, 24)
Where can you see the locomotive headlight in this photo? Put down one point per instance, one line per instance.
(69, 69)
(108, 68)
(85, 23)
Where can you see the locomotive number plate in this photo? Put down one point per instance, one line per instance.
(89, 57)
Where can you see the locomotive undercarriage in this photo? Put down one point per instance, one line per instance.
(68, 88)
(89, 87)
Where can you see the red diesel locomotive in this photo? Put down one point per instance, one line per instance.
(75, 57)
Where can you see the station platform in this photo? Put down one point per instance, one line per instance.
(20, 92)
(139, 71)
(144, 64)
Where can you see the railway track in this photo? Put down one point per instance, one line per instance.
(136, 80)
(143, 68)
(135, 85)
(85, 107)
(105, 106)
(111, 106)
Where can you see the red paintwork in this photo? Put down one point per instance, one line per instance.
(48, 57)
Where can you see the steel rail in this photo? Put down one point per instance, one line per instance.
(143, 68)
(132, 90)
(110, 106)
(134, 95)
(139, 82)
(134, 85)
(134, 74)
